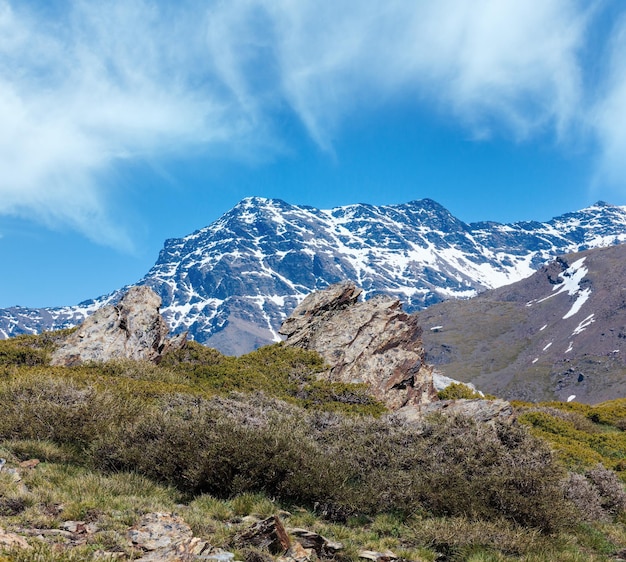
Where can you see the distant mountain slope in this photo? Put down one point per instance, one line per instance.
(232, 283)
(559, 333)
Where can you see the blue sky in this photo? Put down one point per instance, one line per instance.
(126, 122)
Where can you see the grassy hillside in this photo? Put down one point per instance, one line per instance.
(520, 342)
(582, 435)
(218, 438)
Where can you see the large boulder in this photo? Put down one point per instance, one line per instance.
(373, 342)
(133, 329)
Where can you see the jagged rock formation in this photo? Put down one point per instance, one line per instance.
(131, 329)
(232, 283)
(373, 342)
(268, 534)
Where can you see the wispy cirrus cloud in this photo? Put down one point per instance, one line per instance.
(86, 85)
(485, 62)
(93, 87)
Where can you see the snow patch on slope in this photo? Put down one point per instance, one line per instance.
(571, 279)
(584, 324)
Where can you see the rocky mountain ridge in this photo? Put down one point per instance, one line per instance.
(231, 284)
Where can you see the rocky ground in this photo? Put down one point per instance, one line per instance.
(166, 537)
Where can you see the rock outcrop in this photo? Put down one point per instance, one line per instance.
(373, 342)
(268, 534)
(321, 546)
(484, 411)
(12, 540)
(166, 537)
(133, 329)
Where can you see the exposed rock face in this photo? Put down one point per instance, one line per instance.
(132, 328)
(373, 342)
(484, 411)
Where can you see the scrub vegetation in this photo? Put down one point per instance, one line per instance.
(218, 438)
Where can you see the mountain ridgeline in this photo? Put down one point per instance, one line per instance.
(231, 284)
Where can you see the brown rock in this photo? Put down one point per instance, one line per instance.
(373, 342)
(480, 410)
(11, 540)
(131, 329)
(30, 463)
(268, 533)
(297, 553)
(322, 546)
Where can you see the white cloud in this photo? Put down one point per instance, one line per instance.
(85, 85)
(608, 119)
(486, 61)
(98, 85)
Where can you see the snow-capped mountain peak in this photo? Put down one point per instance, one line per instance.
(231, 283)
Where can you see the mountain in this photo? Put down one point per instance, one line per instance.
(556, 334)
(232, 283)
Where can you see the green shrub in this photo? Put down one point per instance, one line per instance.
(277, 370)
(607, 413)
(61, 411)
(30, 350)
(580, 443)
(251, 443)
(335, 396)
(458, 390)
(457, 538)
(610, 489)
(263, 426)
(346, 467)
(14, 352)
(175, 424)
(581, 492)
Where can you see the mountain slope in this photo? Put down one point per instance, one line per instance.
(557, 334)
(232, 283)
